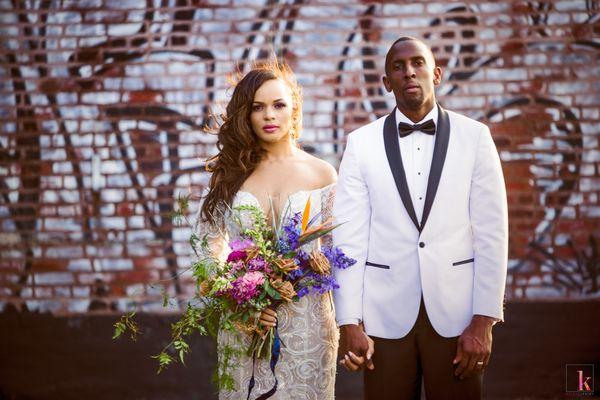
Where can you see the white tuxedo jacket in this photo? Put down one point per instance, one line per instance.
(455, 257)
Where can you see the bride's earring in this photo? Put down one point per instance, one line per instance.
(293, 133)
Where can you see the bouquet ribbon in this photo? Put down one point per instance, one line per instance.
(274, 359)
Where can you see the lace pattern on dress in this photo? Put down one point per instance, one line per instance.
(327, 198)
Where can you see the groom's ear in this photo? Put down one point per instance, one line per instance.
(437, 75)
(386, 83)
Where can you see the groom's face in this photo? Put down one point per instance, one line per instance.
(411, 74)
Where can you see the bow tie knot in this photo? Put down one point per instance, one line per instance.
(427, 127)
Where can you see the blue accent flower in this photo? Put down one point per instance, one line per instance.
(337, 258)
(325, 284)
(296, 274)
(302, 258)
(291, 233)
(318, 284)
(303, 291)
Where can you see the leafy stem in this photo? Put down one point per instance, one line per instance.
(127, 324)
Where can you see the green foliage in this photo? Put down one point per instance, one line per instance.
(260, 233)
(194, 239)
(182, 208)
(164, 360)
(271, 291)
(126, 324)
(166, 298)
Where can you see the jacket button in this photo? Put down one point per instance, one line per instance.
(421, 244)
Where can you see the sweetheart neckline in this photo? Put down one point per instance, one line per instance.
(290, 195)
(287, 200)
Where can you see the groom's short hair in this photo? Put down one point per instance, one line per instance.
(406, 39)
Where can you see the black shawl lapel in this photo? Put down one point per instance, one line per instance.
(392, 150)
(442, 135)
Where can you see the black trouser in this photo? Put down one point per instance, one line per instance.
(400, 364)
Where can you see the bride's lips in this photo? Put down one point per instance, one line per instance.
(270, 128)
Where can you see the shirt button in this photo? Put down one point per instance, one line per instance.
(418, 148)
(421, 245)
(420, 198)
(418, 173)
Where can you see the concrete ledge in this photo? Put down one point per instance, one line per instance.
(47, 357)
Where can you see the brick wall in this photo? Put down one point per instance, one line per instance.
(103, 103)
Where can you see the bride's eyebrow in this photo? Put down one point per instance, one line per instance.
(260, 102)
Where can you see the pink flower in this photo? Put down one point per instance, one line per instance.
(237, 266)
(245, 287)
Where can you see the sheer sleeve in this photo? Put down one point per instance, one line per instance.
(210, 240)
(327, 197)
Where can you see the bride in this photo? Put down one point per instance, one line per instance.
(259, 163)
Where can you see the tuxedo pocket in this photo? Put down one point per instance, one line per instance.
(382, 266)
(467, 261)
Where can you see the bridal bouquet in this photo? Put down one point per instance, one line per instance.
(266, 267)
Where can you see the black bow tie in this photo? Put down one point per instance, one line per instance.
(427, 127)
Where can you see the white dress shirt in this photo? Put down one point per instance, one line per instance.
(416, 150)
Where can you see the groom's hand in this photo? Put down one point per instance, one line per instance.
(474, 347)
(356, 348)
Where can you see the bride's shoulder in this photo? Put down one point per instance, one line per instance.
(321, 170)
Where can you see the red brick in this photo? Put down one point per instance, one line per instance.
(106, 91)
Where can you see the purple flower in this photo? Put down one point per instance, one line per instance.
(326, 284)
(296, 274)
(236, 266)
(245, 287)
(314, 283)
(240, 245)
(258, 264)
(302, 292)
(236, 255)
(302, 258)
(337, 258)
(291, 233)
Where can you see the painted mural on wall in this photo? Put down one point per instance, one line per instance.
(104, 102)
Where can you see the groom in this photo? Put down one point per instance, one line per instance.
(422, 200)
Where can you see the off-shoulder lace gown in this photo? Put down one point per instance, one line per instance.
(309, 336)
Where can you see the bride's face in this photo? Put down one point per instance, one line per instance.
(271, 116)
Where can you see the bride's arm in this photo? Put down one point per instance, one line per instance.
(209, 241)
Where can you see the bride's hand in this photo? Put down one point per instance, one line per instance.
(352, 362)
(268, 317)
(370, 352)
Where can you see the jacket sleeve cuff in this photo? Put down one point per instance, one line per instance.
(348, 321)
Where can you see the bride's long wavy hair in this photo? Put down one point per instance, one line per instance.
(239, 148)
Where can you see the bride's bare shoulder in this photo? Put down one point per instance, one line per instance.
(323, 172)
